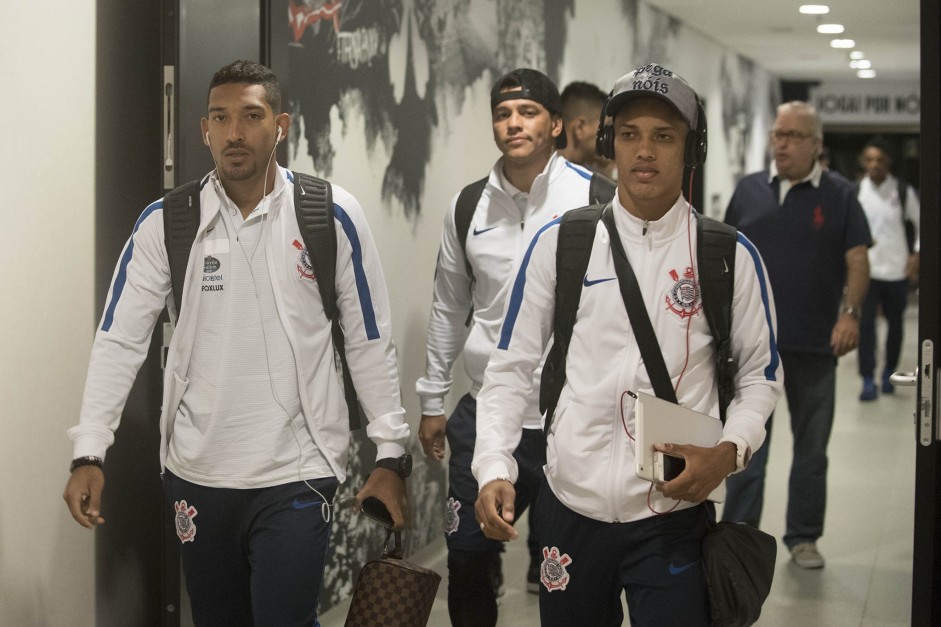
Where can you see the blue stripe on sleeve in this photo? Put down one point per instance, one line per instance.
(585, 174)
(118, 288)
(772, 367)
(516, 296)
(362, 285)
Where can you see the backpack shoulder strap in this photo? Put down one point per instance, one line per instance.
(716, 245)
(464, 214)
(601, 190)
(180, 224)
(576, 235)
(907, 223)
(313, 206)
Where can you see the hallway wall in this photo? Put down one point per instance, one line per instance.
(47, 174)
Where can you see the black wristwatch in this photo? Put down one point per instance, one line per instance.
(402, 465)
(88, 460)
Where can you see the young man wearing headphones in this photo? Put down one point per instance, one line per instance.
(603, 529)
(530, 184)
(254, 423)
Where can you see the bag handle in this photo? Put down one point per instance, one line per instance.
(396, 552)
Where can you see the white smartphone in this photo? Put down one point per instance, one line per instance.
(667, 467)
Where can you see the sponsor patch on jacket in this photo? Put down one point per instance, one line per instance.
(683, 297)
(183, 517)
(305, 269)
(212, 278)
(552, 573)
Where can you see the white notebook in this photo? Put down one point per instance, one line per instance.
(662, 422)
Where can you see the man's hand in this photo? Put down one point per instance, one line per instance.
(387, 486)
(494, 509)
(845, 335)
(705, 469)
(83, 495)
(431, 434)
(911, 269)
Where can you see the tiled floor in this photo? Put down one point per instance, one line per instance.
(868, 537)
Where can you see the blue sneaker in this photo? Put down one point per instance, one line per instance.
(869, 392)
(887, 387)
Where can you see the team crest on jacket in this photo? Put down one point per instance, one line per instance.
(552, 572)
(185, 527)
(305, 269)
(683, 297)
(451, 518)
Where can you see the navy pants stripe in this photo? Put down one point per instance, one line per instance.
(252, 556)
(656, 561)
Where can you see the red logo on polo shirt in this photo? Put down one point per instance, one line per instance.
(818, 217)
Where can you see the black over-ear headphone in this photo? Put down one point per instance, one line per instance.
(604, 137)
(694, 151)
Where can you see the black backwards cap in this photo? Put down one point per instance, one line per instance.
(533, 85)
(655, 80)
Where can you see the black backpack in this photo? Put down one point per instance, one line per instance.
(313, 205)
(716, 243)
(601, 189)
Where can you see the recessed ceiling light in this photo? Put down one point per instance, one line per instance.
(830, 29)
(857, 54)
(861, 64)
(814, 9)
(866, 73)
(842, 43)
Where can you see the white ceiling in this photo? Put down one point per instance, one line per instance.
(783, 41)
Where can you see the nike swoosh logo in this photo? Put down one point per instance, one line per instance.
(589, 283)
(482, 231)
(676, 570)
(298, 504)
(726, 264)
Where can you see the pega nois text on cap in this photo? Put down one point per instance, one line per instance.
(657, 81)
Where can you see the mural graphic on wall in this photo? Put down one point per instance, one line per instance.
(395, 74)
(736, 75)
(391, 59)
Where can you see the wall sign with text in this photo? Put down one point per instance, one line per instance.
(871, 103)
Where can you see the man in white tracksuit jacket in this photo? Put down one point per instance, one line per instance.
(604, 529)
(254, 422)
(529, 185)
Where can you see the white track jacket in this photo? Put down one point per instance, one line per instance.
(496, 241)
(141, 288)
(590, 454)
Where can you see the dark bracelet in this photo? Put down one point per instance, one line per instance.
(88, 460)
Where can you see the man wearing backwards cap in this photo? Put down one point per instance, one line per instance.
(602, 528)
(529, 185)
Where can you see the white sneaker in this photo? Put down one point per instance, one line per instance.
(807, 556)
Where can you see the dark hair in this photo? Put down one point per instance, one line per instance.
(880, 142)
(250, 73)
(578, 96)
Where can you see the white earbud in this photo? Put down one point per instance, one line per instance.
(278, 138)
(208, 143)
